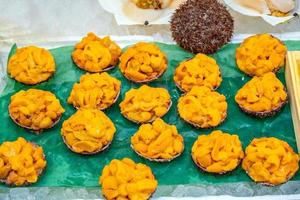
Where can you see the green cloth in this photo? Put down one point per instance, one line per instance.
(65, 168)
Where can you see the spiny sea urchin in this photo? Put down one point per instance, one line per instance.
(202, 26)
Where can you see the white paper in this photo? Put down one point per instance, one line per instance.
(268, 18)
(116, 7)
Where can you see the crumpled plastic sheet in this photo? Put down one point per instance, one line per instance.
(184, 192)
(177, 178)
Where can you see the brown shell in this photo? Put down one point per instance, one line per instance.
(199, 127)
(221, 173)
(149, 79)
(87, 153)
(114, 101)
(157, 159)
(151, 120)
(26, 183)
(264, 114)
(270, 184)
(33, 130)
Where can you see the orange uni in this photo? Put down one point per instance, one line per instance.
(270, 161)
(198, 71)
(95, 91)
(125, 179)
(260, 54)
(21, 162)
(35, 109)
(143, 62)
(94, 54)
(88, 131)
(31, 65)
(158, 141)
(217, 152)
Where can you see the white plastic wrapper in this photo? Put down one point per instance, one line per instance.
(268, 18)
(127, 13)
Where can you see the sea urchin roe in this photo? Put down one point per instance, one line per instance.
(262, 94)
(270, 160)
(94, 54)
(202, 107)
(148, 4)
(35, 109)
(158, 140)
(31, 65)
(143, 62)
(145, 104)
(21, 162)
(198, 71)
(88, 131)
(125, 179)
(260, 54)
(95, 91)
(217, 152)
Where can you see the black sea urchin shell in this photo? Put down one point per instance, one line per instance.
(202, 26)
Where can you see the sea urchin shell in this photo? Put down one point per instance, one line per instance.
(202, 26)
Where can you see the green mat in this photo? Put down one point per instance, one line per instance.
(65, 168)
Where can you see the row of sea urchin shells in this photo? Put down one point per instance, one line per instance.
(211, 150)
(202, 76)
(268, 52)
(140, 63)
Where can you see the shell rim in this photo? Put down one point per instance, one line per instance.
(220, 173)
(160, 160)
(99, 150)
(264, 114)
(36, 131)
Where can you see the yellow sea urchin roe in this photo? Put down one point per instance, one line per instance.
(277, 13)
(265, 93)
(95, 91)
(21, 162)
(35, 109)
(125, 179)
(148, 4)
(145, 104)
(94, 54)
(198, 71)
(88, 131)
(143, 62)
(260, 54)
(202, 107)
(31, 65)
(217, 152)
(270, 160)
(158, 140)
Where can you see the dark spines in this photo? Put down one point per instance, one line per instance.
(202, 26)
